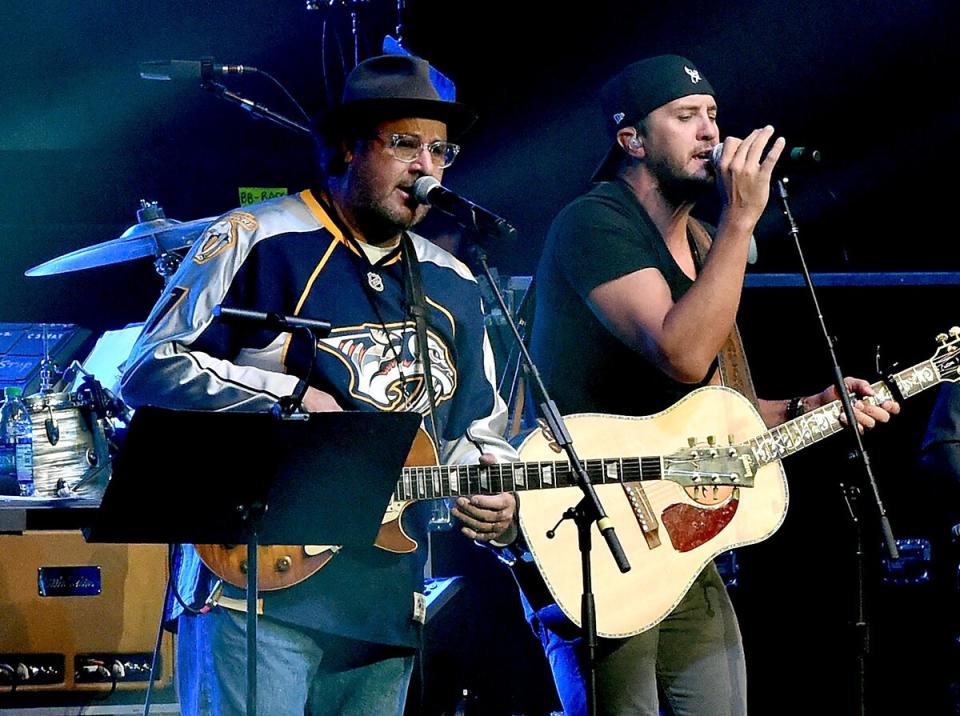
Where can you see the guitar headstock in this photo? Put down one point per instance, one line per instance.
(947, 357)
(711, 464)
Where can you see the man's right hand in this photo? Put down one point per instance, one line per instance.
(317, 401)
(744, 179)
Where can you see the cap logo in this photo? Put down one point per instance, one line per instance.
(694, 75)
(618, 117)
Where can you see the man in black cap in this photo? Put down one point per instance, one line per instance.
(342, 641)
(633, 306)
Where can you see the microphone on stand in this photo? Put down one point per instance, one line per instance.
(288, 407)
(796, 158)
(272, 321)
(427, 190)
(208, 72)
(205, 70)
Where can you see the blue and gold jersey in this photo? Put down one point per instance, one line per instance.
(288, 256)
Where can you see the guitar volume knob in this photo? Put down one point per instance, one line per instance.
(284, 563)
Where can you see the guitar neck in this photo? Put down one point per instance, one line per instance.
(794, 435)
(439, 481)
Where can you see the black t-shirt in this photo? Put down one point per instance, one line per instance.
(600, 236)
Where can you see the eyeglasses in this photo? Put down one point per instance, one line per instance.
(407, 147)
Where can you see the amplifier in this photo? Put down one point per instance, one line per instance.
(79, 616)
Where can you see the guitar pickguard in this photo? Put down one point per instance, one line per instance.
(689, 526)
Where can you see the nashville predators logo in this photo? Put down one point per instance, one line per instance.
(386, 369)
(222, 234)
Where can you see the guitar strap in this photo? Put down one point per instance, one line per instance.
(414, 297)
(732, 360)
(417, 305)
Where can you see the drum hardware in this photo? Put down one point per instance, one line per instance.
(52, 427)
(153, 235)
(106, 404)
(73, 435)
(48, 371)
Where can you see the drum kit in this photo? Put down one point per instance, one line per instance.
(74, 429)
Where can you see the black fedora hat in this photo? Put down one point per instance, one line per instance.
(392, 87)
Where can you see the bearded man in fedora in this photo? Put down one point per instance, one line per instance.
(343, 640)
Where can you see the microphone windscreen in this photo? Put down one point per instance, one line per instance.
(422, 188)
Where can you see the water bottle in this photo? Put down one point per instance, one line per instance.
(16, 441)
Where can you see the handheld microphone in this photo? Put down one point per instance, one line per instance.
(205, 69)
(274, 321)
(427, 190)
(797, 158)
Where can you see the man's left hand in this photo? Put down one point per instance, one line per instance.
(488, 517)
(868, 415)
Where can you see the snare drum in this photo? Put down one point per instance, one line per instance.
(70, 451)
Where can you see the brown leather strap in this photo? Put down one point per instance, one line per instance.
(734, 368)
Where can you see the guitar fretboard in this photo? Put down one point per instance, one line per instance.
(796, 434)
(437, 481)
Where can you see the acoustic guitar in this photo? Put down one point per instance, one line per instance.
(671, 530)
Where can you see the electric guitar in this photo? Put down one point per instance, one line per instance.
(281, 566)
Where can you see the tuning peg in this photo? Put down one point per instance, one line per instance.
(955, 332)
(942, 338)
(730, 438)
(691, 441)
(711, 440)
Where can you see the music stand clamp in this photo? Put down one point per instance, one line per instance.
(247, 478)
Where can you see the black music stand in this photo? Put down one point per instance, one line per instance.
(249, 478)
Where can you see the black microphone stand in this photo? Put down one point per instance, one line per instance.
(289, 405)
(586, 512)
(254, 108)
(850, 493)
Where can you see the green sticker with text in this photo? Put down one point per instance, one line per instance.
(253, 194)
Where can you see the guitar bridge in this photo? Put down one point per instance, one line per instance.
(644, 513)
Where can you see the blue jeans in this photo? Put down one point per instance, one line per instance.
(694, 658)
(299, 671)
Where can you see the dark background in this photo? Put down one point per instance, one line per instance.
(871, 83)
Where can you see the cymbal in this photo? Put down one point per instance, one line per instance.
(147, 238)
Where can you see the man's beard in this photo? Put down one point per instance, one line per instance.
(377, 220)
(378, 223)
(677, 187)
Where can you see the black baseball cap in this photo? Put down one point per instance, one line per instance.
(640, 88)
